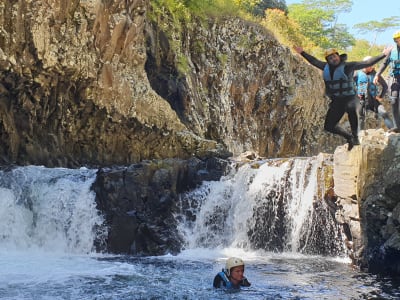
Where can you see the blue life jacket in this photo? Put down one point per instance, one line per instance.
(340, 85)
(228, 284)
(394, 62)
(366, 82)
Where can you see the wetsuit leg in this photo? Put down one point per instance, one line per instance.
(363, 112)
(394, 99)
(335, 112)
(385, 116)
(352, 108)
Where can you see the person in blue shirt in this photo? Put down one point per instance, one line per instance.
(232, 276)
(367, 92)
(393, 60)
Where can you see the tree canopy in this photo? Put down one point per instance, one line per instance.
(318, 22)
(378, 27)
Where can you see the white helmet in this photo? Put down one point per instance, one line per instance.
(233, 262)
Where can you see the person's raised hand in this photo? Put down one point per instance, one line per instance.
(387, 50)
(376, 79)
(298, 49)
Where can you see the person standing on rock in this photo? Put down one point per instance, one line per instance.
(367, 92)
(340, 88)
(393, 59)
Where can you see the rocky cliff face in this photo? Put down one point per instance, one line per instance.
(73, 89)
(367, 185)
(239, 86)
(95, 82)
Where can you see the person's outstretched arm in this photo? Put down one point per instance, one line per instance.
(381, 69)
(311, 59)
(384, 85)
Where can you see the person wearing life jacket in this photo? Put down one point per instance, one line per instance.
(340, 88)
(367, 92)
(232, 276)
(393, 60)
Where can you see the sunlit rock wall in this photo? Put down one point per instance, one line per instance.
(74, 88)
(231, 81)
(367, 184)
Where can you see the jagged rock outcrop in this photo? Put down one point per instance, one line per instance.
(367, 183)
(74, 89)
(139, 202)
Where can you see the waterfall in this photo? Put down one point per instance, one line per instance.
(275, 205)
(48, 210)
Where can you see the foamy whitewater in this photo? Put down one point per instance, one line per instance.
(49, 221)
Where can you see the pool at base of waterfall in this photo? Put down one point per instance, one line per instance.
(189, 275)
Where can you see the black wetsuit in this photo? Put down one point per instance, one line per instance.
(342, 104)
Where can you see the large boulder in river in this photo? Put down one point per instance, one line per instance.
(139, 202)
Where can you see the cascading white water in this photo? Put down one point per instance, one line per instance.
(304, 191)
(48, 222)
(48, 209)
(271, 207)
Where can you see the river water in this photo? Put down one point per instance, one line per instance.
(48, 223)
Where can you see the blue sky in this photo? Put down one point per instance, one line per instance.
(367, 10)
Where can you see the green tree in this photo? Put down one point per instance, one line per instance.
(318, 21)
(339, 37)
(377, 27)
(363, 48)
(287, 31)
(311, 22)
(260, 8)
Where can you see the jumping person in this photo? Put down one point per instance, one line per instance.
(232, 276)
(367, 92)
(394, 80)
(340, 88)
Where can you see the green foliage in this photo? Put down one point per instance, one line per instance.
(363, 48)
(339, 37)
(182, 10)
(183, 65)
(258, 7)
(318, 22)
(215, 8)
(311, 22)
(336, 6)
(287, 30)
(166, 12)
(174, 16)
(262, 5)
(377, 27)
(247, 5)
